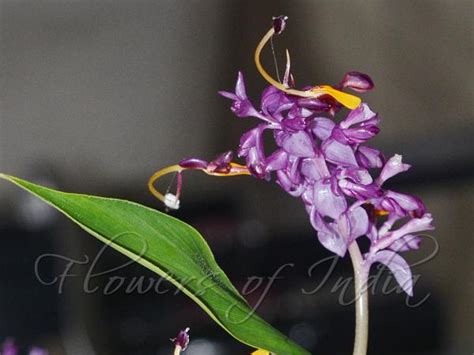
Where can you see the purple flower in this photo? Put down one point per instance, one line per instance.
(242, 107)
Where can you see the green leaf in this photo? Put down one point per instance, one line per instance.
(171, 249)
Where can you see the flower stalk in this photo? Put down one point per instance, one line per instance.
(361, 298)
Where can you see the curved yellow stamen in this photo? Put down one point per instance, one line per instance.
(350, 101)
(235, 170)
(168, 170)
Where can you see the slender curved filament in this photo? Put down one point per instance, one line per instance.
(349, 101)
(234, 170)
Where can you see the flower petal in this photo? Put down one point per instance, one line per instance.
(391, 168)
(369, 157)
(327, 203)
(398, 266)
(322, 127)
(338, 153)
(298, 144)
(360, 114)
(278, 160)
(328, 236)
(240, 86)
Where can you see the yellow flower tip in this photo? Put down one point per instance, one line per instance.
(260, 352)
(348, 100)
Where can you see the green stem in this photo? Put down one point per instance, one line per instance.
(361, 301)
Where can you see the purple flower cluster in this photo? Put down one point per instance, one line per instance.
(329, 166)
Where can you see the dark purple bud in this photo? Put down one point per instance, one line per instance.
(182, 340)
(356, 81)
(193, 163)
(279, 24)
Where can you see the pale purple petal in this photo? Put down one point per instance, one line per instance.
(406, 243)
(360, 114)
(359, 222)
(278, 160)
(298, 144)
(339, 153)
(314, 168)
(359, 175)
(403, 203)
(327, 203)
(392, 167)
(369, 157)
(228, 95)
(398, 266)
(322, 127)
(328, 235)
(240, 87)
(244, 108)
(284, 180)
(360, 191)
(414, 225)
(357, 135)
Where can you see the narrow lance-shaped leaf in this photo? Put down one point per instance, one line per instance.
(172, 249)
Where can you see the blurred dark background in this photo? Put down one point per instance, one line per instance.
(97, 95)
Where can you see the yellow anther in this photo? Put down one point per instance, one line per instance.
(349, 101)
